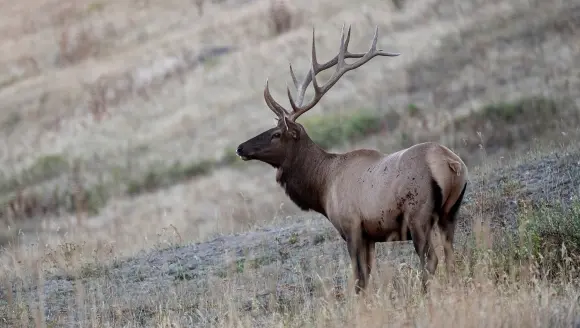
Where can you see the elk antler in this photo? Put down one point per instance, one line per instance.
(315, 68)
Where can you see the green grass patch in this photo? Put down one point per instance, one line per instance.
(163, 177)
(330, 131)
(83, 198)
(43, 169)
(508, 124)
(547, 242)
(95, 7)
(46, 167)
(518, 111)
(511, 125)
(549, 229)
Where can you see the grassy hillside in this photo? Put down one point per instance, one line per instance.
(518, 242)
(123, 203)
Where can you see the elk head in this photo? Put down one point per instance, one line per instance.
(287, 139)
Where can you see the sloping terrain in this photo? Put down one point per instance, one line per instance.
(175, 134)
(278, 267)
(119, 122)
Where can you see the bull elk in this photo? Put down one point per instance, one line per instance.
(368, 196)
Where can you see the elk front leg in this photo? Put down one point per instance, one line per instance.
(370, 256)
(359, 252)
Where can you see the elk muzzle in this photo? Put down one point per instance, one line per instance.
(242, 153)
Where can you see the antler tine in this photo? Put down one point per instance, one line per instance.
(343, 46)
(273, 105)
(301, 87)
(316, 68)
(341, 69)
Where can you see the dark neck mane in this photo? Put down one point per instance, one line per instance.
(304, 177)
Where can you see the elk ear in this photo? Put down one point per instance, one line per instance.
(291, 128)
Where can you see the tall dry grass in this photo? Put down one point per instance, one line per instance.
(483, 295)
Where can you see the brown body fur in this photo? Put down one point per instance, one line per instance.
(371, 197)
(368, 196)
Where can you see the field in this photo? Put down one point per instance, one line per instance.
(124, 205)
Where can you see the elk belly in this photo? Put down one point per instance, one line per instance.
(383, 228)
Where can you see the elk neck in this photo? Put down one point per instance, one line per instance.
(305, 175)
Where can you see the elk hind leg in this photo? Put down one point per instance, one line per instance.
(420, 228)
(447, 223)
(432, 259)
(422, 224)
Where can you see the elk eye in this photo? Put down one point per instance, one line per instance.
(276, 135)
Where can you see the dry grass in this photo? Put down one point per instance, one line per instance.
(133, 140)
(297, 275)
(119, 120)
